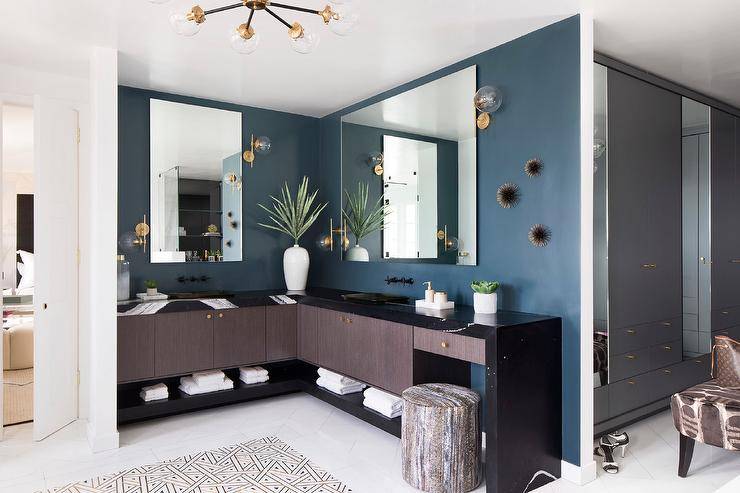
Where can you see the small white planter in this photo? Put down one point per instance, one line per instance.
(357, 254)
(151, 291)
(295, 268)
(485, 303)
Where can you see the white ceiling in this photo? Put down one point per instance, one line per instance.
(693, 43)
(17, 139)
(451, 117)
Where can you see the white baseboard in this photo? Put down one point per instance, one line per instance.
(101, 442)
(579, 475)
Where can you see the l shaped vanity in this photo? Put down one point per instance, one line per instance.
(390, 346)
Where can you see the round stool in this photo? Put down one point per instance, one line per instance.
(441, 438)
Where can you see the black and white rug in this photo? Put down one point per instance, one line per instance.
(262, 465)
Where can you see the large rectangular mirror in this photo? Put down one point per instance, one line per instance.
(416, 154)
(195, 183)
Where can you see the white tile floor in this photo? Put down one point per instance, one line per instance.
(365, 458)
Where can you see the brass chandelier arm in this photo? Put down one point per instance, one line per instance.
(291, 7)
(223, 9)
(249, 20)
(278, 17)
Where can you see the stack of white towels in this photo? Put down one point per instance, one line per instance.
(388, 405)
(154, 392)
(339, 384)
(253, 374)
(205, 381)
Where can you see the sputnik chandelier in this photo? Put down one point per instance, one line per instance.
(339, 16)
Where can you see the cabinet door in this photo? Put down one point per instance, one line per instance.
(333, 351)
(239, 337)
(282, 340)
(725, 211)
(308, 327)
(644, 172)
(135, 348)
(184, 342)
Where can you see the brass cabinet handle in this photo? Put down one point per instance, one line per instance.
(666, 324)
(649, 266)
(209, 316)
(445, 344)
(346, 320)
(667, 371)
(725, 312)
(220, 315)
(631, 382)
(631, 356)
(735, 261)
(667, 348)
(631, 331)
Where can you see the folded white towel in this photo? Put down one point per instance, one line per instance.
(382, 396)
(154, 389)
(208, 377)
(329, 375)
(386, 411)
(251, 379)
(153, 397)
(339, 388)
(253, 371)
(383, 404)
(154, 392)
(188, 385)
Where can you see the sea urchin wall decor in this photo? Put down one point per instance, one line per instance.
(533, 167)
(508, 195)
(539, 235)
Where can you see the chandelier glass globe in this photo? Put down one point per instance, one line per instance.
(344, 20)
(305, 43)
(183, 24)
(244, 45)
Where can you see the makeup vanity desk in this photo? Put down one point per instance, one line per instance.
(389, 346)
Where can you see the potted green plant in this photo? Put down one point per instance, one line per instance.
(151, 287)
(293, 217)
(363, 220)
(484, 296)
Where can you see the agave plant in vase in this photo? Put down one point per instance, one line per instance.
(361, 220)
(293, 217)
(484, 296)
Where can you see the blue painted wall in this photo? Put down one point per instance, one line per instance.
(540, 117)
(294, 154)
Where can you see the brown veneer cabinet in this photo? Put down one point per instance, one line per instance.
(239, 337)
(184, 342)
(135, 348)
(282, 342)
(308, 328)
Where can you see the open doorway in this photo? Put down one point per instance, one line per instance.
(17, 258)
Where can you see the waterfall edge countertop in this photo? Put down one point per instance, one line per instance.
(461, 320)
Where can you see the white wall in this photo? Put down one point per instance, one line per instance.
(100, 246)
(13, 184)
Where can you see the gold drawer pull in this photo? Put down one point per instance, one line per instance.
(667, 371)
(735, 261)
(724, 312)
(667, 348)
(346, 320)
(649, 266)
(220, 315)
(209, 316)
(698, 361)
(631, 331)
(631, 356)
(631, 382)
(445, 344)
(667, 324)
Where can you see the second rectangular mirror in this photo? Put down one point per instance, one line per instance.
(415, 154)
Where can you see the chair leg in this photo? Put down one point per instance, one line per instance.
(685, 452)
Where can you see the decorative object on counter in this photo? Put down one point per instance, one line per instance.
(326, 241)
(389, 405)
(362, 220)
(533, 167)
(450, 243)
(375, 160)
(508, 195)
(151, 287)
(233, 180)
(340, 18)
(438, 301)
(261, 145)
(123, 278)
(485, 299)
(294, 218)
(253, 374)
(429, 292)
(339, 384)
(400, 280)
(539, 235)
(154, 392)
(487, 100)
(212, 230)
(435, 414)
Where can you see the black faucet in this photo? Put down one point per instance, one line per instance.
(402, 280)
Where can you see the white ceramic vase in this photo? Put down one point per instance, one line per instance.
(485, 303)
(357, 254)
(295, 268)
(151, 291)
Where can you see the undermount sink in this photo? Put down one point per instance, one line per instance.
(200, 295)
(375, 298)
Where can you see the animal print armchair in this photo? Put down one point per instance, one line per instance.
(710, 412)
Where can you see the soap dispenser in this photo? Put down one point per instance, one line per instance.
(429, 293)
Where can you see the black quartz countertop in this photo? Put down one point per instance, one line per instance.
(462, 319)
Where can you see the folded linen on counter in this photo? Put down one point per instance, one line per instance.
(252, 379)
(383, 407)
(205, 378)
(188, 385)
(253, 374)
(145, 308)
(338, 388)
(330, 376)
(383, 398)
(154, 392)
(218, 303)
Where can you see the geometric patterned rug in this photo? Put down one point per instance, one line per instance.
(264, 465)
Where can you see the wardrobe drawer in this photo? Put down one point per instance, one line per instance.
(667, 330)
(724, 318)
(453, 345)
(732, 332)
(630, 394)
(642, 336)
(665, 354)
(629, 364)
(601, 404)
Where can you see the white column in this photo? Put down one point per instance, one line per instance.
(100, 248)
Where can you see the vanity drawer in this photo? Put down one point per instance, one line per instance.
(456, 346)
(665, 354)
(723, 318)
(642, 336)
(629, 364)
(732, 332)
